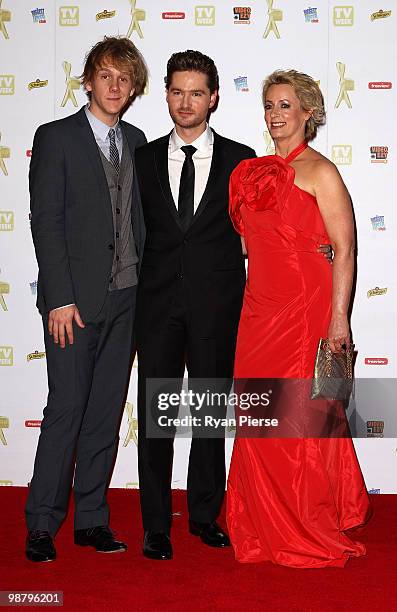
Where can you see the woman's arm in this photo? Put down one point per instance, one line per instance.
(335, 207)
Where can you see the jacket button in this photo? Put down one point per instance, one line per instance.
(118, 211)
(119, 187)
(179, 276)
(111, 247)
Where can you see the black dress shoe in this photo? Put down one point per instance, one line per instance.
(101, 538)
(40, 547)
(157, 546)
(210, 533)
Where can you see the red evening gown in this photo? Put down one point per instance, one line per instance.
(289, 500)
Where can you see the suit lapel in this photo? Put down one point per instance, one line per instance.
(94, 159)
(161, 165)
(215, 170)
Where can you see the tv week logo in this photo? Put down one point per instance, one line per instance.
(69, 15)
(342, 155)
(343, 15)
(204, 15)
(7, 84)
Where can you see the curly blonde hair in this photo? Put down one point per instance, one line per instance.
(308, 93)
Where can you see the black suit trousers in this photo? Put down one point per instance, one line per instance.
(79, 432)
(163, 354)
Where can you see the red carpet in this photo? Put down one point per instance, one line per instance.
(199, 578)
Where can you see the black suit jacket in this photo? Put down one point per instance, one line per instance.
(208, 257)
(71, 214)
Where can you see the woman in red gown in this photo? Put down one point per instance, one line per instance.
(291, 499)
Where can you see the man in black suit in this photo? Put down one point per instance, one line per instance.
(88, 232)
(190, 291)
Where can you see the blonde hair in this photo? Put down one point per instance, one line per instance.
(308, 93)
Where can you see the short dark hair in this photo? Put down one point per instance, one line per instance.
(193, 61)
(124, 55)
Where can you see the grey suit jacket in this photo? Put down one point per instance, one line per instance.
(71, 214)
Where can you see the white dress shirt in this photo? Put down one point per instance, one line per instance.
(101, 133)
(202, 163)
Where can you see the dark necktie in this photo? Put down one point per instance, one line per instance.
(186, 188)
(113, 151)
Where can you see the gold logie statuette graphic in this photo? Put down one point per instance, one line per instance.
(376, 291)
(274, 16)
(37, 84)
(5, 16)
(4, 289)
(72, 85)
(105, 15)
(4, 424)
(132, 425)
(5, 153)
(35, 355)
(137, 15)
(345, 85)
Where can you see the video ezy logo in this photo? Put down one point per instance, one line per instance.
(242, 14)
(379, 154)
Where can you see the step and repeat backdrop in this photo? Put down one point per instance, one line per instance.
(350, 49)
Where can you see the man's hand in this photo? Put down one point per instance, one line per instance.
(60, 321)
(326, 250)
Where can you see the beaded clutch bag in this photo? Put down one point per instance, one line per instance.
(333, 373)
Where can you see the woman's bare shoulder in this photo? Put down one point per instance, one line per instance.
(320, 166)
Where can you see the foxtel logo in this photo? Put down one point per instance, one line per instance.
(173, 15)
(380, 85)
(376, 361)
(32, 423)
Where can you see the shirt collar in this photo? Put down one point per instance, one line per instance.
(202, 143)
(100, 128)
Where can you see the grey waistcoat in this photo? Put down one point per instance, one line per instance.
(124, 272)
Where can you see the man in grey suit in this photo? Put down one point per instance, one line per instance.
(88, 232)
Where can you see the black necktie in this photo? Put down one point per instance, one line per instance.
(186, 188)
(113, 151)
